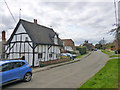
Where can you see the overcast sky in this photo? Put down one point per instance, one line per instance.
(79, 20)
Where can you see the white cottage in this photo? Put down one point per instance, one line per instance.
(34, 41)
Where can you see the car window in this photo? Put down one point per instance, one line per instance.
(0, 68)
(18, 64)
(6, 67)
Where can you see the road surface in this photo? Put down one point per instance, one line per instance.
(66, 76)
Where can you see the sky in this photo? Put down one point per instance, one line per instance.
(79, 20)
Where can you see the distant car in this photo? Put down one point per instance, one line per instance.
(69, 55)
(72, 56)
(13, 70)
(95, 49)
(64, 54)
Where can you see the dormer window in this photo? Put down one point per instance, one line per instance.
(55, 40)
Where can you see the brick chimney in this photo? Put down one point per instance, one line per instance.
(35, 21)
(3, 36)
(3, 42)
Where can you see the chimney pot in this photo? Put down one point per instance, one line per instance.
(35, 21)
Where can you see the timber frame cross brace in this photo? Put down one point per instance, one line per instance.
(49, 47)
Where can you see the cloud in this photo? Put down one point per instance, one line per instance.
(77, 20)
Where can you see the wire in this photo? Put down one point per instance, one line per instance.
(9, 11)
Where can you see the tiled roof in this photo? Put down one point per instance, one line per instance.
(39, 34)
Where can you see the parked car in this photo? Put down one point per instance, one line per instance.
(69, 55)
(13, 70)
(64, 54)
(72, 56)
(95, 49)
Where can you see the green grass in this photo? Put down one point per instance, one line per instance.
(81, 55)
(107, 77)
(114, 56)
(107, 52)
(71, 60)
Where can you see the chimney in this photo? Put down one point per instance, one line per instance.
(3, 42)
(3, 36)
(35, 21)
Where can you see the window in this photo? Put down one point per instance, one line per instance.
(55, 40)
(39, 55)
(6, 67)
(0, 68)
(26, 38)
(57, 55)
(50, 55)
(18, 64)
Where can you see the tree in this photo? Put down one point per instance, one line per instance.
(117, 35)
(98, 46)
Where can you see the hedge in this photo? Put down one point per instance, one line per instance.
(82, 50)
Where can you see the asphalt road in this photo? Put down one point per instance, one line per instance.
(66, 76)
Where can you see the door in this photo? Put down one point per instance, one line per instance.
(6, 72)
(12, 71)
(18, 70)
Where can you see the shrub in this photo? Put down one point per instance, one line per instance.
(118, 51)
(82, 50)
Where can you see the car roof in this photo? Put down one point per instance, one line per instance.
(6, 61)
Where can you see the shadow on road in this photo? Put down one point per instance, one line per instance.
(12, 84)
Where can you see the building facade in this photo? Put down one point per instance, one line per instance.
(68, 44)
(34, 42)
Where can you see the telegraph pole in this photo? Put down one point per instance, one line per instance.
(118, 28)
(117, 23)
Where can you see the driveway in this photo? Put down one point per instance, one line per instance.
(66, 76)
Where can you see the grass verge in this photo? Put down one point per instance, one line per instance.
(107, 52)
(81, 55)
(114, 56)
(107, 77)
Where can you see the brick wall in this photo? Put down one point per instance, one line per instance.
(53, 61)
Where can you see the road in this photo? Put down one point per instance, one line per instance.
(66, 76)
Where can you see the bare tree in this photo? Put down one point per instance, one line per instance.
(117, 35)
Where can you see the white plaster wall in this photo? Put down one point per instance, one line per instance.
(20, 29)
(69, 48)
(28, 57)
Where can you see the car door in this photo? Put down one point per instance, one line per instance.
(18, 70)
(6, 72)
(0, 75)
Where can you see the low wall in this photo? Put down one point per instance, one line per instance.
(52, 61)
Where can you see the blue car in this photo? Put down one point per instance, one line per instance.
(13, 70)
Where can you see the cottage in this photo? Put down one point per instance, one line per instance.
(33, 42)
(68, 44)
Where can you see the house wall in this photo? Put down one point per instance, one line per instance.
(69, 48)
(19, 47)
(46, 50)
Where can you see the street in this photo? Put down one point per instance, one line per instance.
(66, 76)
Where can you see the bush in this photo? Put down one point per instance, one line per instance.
(73, 52)
(118, 51)
(82, 50)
